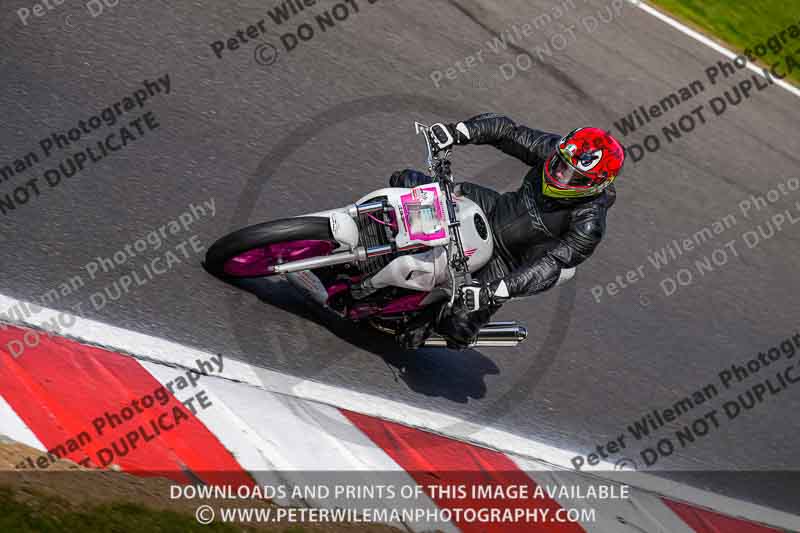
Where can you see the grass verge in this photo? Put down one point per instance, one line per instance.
(67, 497)
(50, 514)
(747, 26)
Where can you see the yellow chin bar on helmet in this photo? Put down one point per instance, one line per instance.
(554, 192)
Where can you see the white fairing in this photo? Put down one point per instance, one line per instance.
(344, 229)
(421, 272)
(478, 250)
(426, 270)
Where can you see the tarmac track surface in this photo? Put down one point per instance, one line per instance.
(331, 119)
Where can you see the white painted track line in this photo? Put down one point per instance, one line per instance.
(708, 42)
(148, 348)
(13, 427)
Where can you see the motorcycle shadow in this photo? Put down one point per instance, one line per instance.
(457, 376)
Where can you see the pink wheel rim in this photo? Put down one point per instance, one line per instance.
(260, 261)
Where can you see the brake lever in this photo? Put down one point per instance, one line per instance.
(431, 156)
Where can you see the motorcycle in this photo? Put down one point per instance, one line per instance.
(385, 258)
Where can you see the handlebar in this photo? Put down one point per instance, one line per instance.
(439, 166)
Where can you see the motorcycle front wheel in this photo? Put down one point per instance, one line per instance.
(251, 252)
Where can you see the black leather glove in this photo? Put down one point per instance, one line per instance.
(479, 295)
(450, 136)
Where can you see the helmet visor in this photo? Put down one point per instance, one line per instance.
(567, 176)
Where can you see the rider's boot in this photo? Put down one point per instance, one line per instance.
(415, 332)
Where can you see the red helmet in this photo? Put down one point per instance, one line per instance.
(585, 162)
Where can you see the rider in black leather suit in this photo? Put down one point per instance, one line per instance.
(537, 236)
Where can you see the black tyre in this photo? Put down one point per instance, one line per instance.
(249, 252)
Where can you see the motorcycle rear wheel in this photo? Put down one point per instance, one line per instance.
(251, 251)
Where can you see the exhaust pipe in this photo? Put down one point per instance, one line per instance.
(492, 335)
